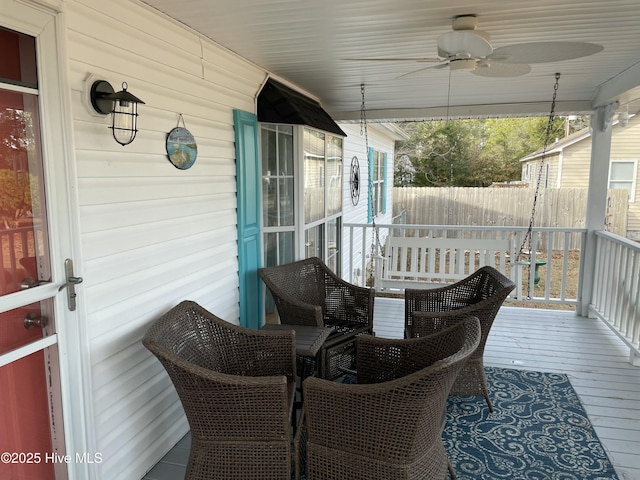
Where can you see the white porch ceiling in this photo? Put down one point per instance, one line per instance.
(307, 42)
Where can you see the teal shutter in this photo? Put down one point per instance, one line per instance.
(370, 187)
(384, 184)
(248, 188)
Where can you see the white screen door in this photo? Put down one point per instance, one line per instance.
(32, 306)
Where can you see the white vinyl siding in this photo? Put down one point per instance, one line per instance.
(354, 145)
(151, 234)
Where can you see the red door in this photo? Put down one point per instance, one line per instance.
(29, 428)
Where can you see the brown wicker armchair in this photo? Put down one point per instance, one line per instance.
(383, 359)
(481, 294)
(392, 429)
(307, 292)
(237, 388)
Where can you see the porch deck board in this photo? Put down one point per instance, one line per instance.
(594, 358)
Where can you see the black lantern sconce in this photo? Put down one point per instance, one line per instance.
(122, 106)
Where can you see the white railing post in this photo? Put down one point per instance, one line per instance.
(596, 199)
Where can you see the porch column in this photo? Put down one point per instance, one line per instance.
(601, 122)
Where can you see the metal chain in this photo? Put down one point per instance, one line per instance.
(363, 117)
(375, 239)
(363, 130)
(526, 241)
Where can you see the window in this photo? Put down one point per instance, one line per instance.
(623, 174)
(301, 194)
(278, 200)
(322, 160)
(377, 172)
(526, 176)
(314, 181)
(546, 175)
(536, 172)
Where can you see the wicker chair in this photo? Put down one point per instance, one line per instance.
(481, 294)
(392, 429)
(383, 359)
(237, 388)
(307, 292)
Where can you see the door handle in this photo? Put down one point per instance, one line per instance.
(34, 320)
(70, 284)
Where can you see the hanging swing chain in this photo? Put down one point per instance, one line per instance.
(526, 241)
(363, 118)
(375, 238)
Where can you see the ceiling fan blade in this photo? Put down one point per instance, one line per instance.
(543, 52)
(396, 59)
(501, 70)
(414, 72)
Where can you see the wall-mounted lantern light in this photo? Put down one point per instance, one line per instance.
(122, 106)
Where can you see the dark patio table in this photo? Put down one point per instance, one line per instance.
(308, 339)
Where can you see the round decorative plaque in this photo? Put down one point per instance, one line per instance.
(181, 148)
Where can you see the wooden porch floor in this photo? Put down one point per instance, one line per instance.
(593, 357)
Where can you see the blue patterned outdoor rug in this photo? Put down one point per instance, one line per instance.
(538, 431)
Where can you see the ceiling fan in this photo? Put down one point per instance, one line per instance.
(468, 49)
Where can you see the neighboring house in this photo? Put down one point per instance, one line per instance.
(566, 165)
(143, 234)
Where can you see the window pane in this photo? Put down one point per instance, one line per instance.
(285, 150)
(313, 241)
(621, 171)
(278, 248)
(269, 201)
(313, 175)
(277, 175)
(270, 249)
(622, 186)
(270, 259)
(334, 175)
(18, 65)
(285, 247)
(285, 193)
(24, 248)
(333, 245)
(269, 156)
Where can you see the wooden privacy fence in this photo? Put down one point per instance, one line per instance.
(555, 207)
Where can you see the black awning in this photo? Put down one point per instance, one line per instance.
(278, 103)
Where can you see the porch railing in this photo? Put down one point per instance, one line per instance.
(15, 244)
(616, 290)
(546, 271)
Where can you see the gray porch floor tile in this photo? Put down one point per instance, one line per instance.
(173, 465)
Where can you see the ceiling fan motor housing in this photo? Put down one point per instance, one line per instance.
(464, 64)
(464, 38)
(465, 22)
